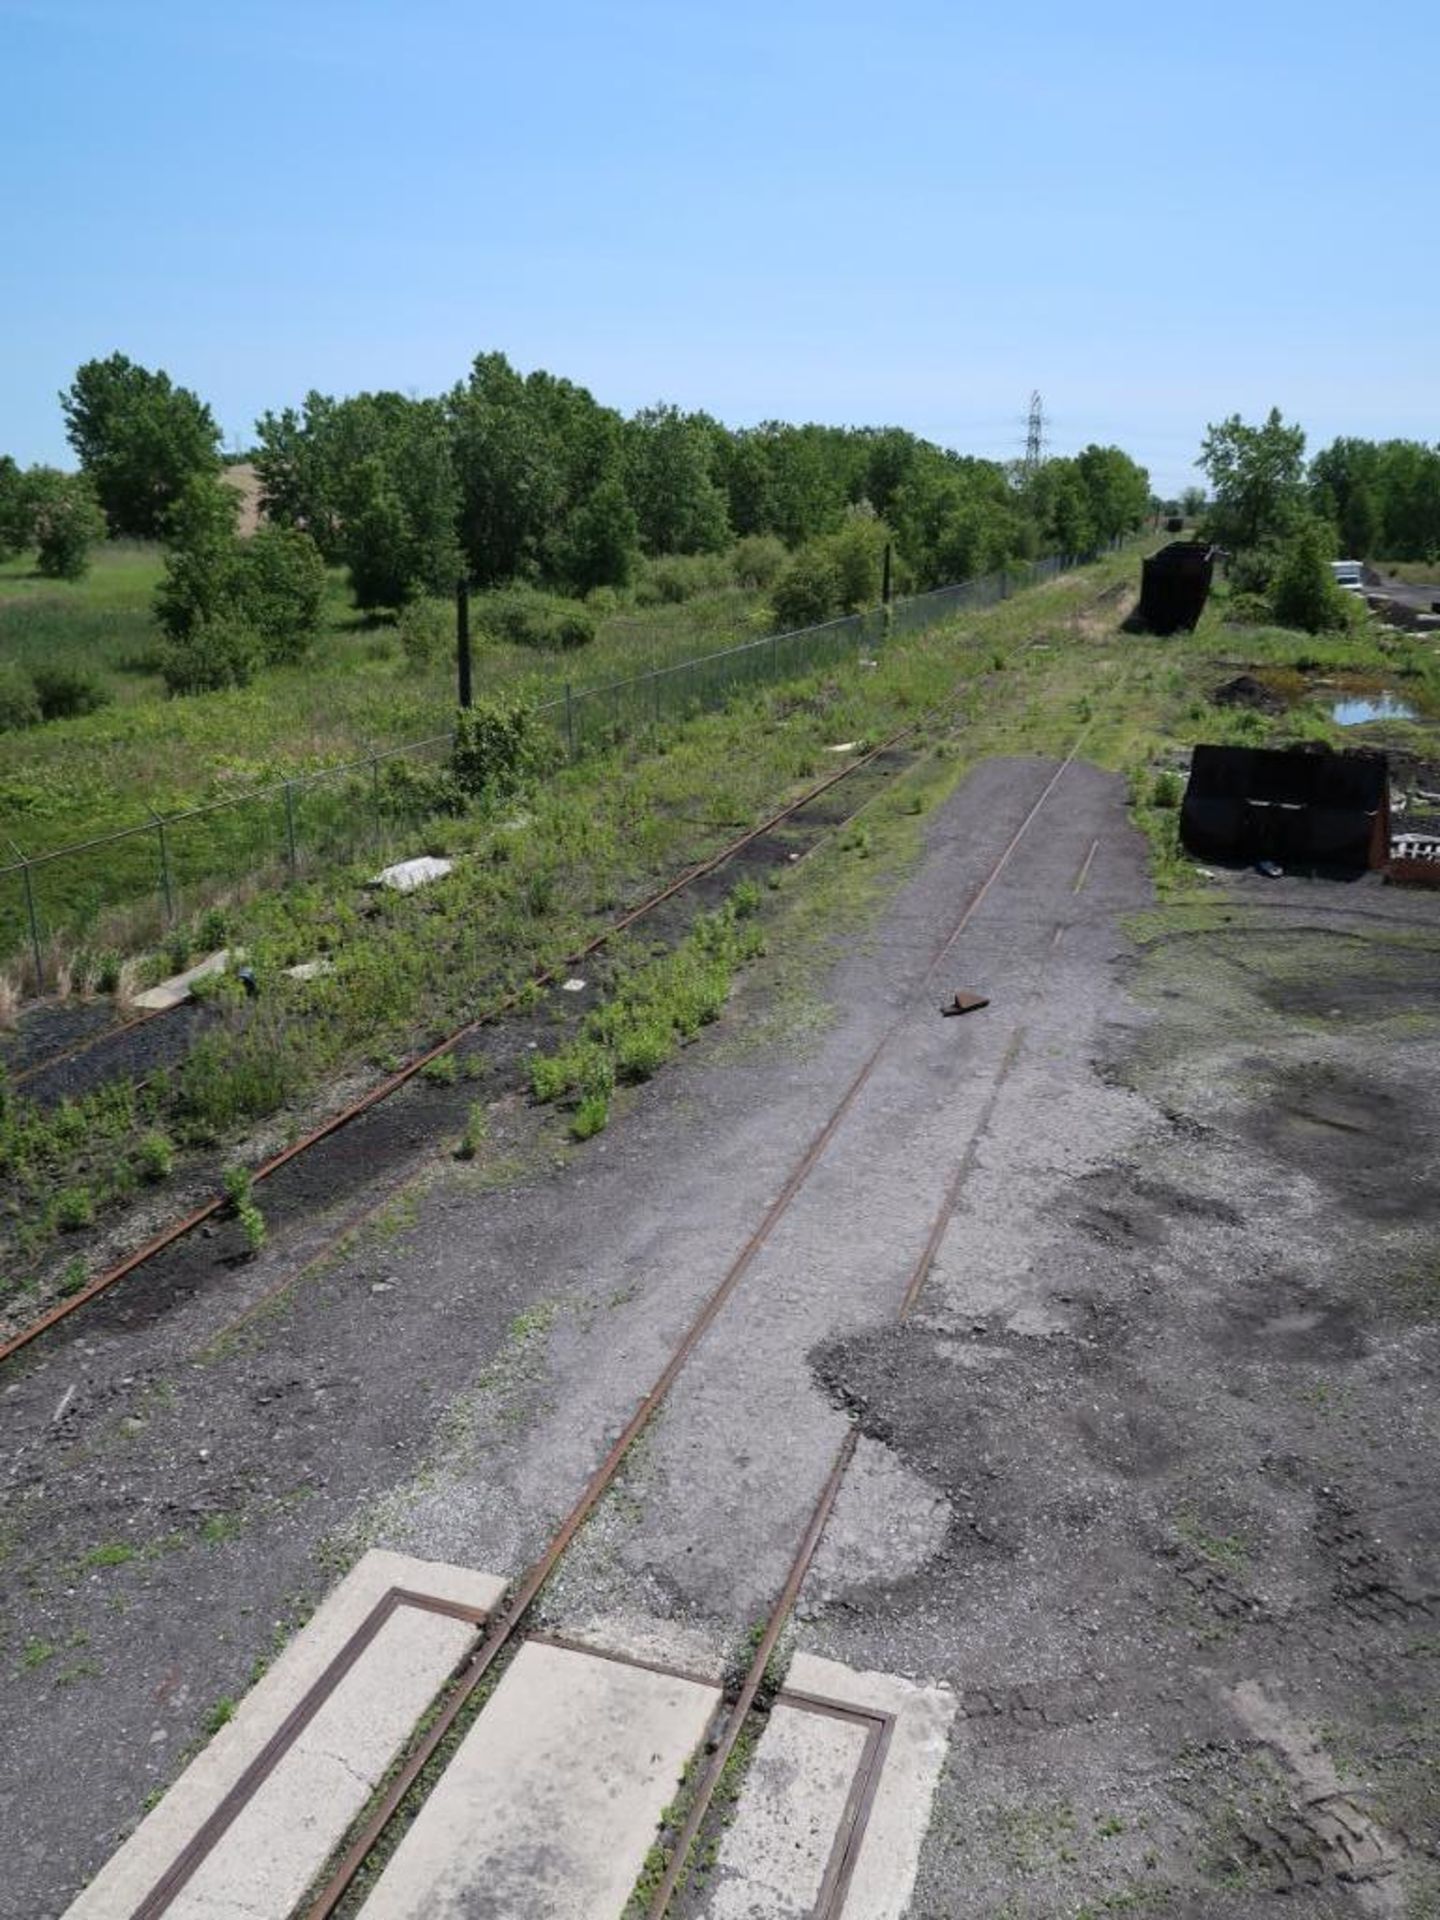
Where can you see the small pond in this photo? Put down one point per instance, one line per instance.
(1356, 708)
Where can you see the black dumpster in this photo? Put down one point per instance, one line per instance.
(1174, 585)
(1297, 807)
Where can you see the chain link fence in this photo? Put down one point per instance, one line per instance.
(145, 879)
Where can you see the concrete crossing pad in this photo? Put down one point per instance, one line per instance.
(833, 1810)
(554, 1799)
(250, 1822)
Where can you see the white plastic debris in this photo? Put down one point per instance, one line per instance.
(310, 969)
(843, 746)
(572, 986)
(406, 875)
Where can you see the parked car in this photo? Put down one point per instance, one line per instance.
(1349, 575)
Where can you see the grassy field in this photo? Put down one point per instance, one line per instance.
(77, 779)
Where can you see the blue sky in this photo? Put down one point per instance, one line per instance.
(837, 211)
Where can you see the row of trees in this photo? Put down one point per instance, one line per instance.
(526, 478)
(1375, 497)
(529, 477)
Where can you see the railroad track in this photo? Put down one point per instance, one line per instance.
(507, 1625)
(374, 1097)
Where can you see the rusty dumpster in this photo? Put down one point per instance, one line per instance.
(1296, 807)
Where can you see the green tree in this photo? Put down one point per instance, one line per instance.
(1256, 479)
(280, 591)
(65, 521)
(601, 541)
(679, 507)
(1303, 592)
(201, 584)
(16, 516)
(1117, 493)
(808, 591)
(139, 439)
(1361, 523)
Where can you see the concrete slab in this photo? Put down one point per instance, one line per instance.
(283, 1831)
(406, 875)
(169, 993)
(774, 1857)
(553, 1801)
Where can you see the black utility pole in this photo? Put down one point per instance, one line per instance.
(462, 639)
(885, 585)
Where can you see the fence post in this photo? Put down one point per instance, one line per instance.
(569, 720)
(164, 869)
(31, 917)
(375, 786)
(290, 822)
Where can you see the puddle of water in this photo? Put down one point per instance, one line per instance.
(1356, 709)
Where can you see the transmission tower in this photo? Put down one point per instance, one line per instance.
(1035, 433)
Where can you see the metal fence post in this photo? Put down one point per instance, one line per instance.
(290, 822)
(30, 914)
(569, 720)
(164, 869)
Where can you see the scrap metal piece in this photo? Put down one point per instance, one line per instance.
(965, 1001)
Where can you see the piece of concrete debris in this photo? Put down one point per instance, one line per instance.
(965, 1001)
(171, 992)
(406, 875)
(572, 986)
(310, 970)
(843, 746)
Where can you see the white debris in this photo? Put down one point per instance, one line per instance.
(572, 986)
(406, 875)
(843, 746)
(310, 969)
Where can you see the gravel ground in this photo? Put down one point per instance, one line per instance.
(1145, 1479)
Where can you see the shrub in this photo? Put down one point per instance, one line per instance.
(674, 578)
(156, 1159)
(808, 592)
(64, 691)
(500, 744)
(409, 792)
(74, 1209)
(477, 1127)
(758, 560)
(592, 1116)
(218, 653)
(528, 618)
(252, 1225)
(427, 633)
(1167, 788)
(641, 1050)
(67, 522)
(442, 1071)
(1304, 593)
(19, 702)
(280, 591)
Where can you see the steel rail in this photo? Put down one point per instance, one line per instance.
(506, 1621)
(383, 1089)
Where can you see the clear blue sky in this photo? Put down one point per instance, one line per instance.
(839, 211)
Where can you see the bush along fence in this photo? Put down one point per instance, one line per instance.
(161, 869)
